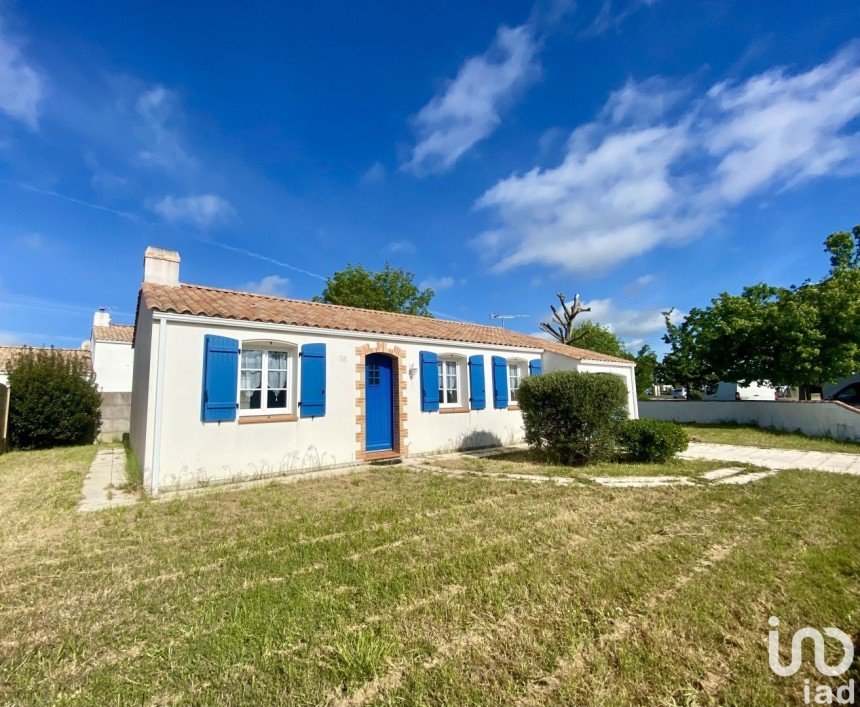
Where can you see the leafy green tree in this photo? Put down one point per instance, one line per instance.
(388, 290)
(646, 367)
(596, 337)
(837, 300)
(54, 400)
(682, 365)
(799, 335)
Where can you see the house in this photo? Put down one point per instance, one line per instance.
(231, 385)
(113, 363)
(113, 359)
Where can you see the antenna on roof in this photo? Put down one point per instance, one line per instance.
(504, 317)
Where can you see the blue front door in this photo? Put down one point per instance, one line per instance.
(378, 414)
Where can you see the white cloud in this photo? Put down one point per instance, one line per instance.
(638, 285)
(469, 107)
(21, 86)
(159, 111)
(401, 247)
(648, 171)
(437, 283)
(202, 210)
(374, 174)
(269, 285)
(611, 18)
(632, 325)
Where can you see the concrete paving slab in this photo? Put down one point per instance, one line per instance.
(642, 481)
(722, 473)
(101, 485)
(747, 478)
(838, 462)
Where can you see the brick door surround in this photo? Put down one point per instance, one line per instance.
(399, 387)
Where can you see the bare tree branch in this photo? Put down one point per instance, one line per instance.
(564, 333)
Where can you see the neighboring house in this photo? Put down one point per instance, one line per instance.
(113, 359)
(7, 353)
(231, 385)
(113, 364)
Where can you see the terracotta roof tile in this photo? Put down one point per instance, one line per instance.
(123, 333)
(230, 304)
(8, 352)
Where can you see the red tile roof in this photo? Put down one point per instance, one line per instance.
(7, 353)
(123, 333)
(247, 306)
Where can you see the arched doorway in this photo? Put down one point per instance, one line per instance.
(379, 403)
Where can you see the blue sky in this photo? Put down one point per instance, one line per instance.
(645, 153)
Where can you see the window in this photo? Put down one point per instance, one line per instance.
(373, 374)
(452, 389)
(264, 380)
(514, 377)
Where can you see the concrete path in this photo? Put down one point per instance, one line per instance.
(834, 462)
(639, 482)
(106, 474)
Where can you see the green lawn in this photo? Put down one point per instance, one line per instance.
(395, 586)
(757, 437)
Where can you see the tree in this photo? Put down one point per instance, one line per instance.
(596, 337)
(561, 329)
(646, 367)
(388, 290)
(682, 365)
(54, 400)
(837, 300)
(801, 336)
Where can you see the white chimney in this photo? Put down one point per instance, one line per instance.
(161, 266)
(101, 318)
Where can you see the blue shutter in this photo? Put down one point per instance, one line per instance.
(500, 382)
(312, 403)
(535, 367)
(220, 373)
(429, 381)
(477, 388)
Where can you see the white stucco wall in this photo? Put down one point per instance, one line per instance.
(143, 386)
(816, 419)
(4, 379)
(194, 452)
(113, 364)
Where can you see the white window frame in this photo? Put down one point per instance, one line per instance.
(522, 372)
(266, 347)
(462, 381)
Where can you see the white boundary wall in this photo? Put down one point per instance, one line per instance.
(815, 419)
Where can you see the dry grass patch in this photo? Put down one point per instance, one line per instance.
(527, 461)
(395, 586)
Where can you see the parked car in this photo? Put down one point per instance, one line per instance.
(850, 395)
(679, 394)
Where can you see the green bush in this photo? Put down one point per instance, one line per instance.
(53, 400)
(652, 440)
(573, 417)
